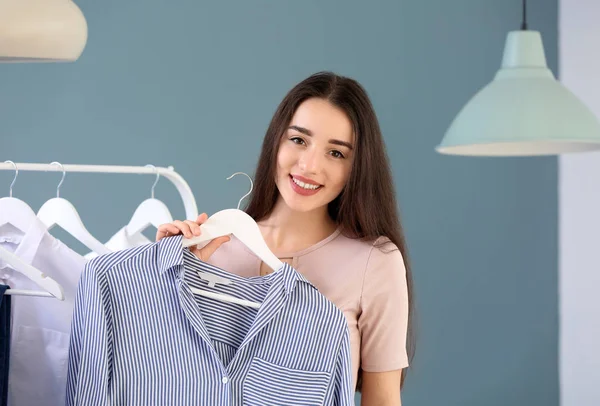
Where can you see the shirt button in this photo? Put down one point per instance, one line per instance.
(224, 380)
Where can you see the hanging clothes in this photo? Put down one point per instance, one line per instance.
(4, 343)
(40, 325)
(122, 240)
(140, 336)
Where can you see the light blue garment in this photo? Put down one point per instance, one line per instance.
(141, 337)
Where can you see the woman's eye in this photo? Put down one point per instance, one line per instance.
(337, 154)
(297, 140)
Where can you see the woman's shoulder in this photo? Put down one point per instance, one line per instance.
(379, 255)
(385, 256)
(380, 246)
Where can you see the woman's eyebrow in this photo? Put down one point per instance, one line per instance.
(301, 130)
(306, 131)
(341, 143)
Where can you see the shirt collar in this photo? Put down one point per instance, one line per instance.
(291, 277)
(29, 242)
(170, 254)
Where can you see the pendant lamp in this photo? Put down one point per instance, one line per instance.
(524, 111)
(41, 31)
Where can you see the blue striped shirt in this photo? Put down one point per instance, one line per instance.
(140, 336)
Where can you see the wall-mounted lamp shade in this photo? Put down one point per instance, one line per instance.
(523, 111)
(41, 31)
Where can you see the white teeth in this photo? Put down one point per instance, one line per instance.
(304, 185)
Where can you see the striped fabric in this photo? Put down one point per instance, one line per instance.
(141, 337)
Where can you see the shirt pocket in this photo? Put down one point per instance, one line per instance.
(38, 366)
(268, 384)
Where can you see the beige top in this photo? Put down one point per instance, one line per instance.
(367, 283)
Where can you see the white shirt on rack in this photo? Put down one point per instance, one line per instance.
(40, 325)
(122, 240)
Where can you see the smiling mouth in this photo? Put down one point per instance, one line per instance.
(304, 185)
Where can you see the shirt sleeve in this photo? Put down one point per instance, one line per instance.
(88, 365)
(342, 392)
(383, 321)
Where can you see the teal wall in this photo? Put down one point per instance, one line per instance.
(193, 84)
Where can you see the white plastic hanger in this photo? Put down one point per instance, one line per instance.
(240, 224)
(18, 213)
(53, 288)
(15, 211)
(151, 212)
(58, 211)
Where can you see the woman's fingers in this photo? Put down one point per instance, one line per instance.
(191, 229)
(166, 230)
(194, 227)
(201, 218)
(184, 228)
(188, 228)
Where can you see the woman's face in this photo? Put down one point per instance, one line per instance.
(315, 156)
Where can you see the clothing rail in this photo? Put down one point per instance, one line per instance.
(189, 202)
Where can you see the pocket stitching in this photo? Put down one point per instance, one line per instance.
(287, 368)
(319, 380)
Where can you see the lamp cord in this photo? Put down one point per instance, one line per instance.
(524, 22)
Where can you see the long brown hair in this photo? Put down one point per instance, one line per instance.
(366, 208)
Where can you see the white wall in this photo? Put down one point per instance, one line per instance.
(579, 213)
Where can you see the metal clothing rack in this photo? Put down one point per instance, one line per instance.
(189, 202)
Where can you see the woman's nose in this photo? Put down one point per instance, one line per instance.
(309, 162)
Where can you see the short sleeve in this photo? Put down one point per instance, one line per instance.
(383, 320)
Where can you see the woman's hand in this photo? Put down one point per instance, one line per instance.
(191, 229)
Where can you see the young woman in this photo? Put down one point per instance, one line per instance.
(324, 201)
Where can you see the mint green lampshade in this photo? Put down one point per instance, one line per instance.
(523, 111)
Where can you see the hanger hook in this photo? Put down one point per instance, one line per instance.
(15, 178)
(251, 186)
(64, 173)
(157, 178)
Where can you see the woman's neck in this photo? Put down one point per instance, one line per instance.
(285, 230)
